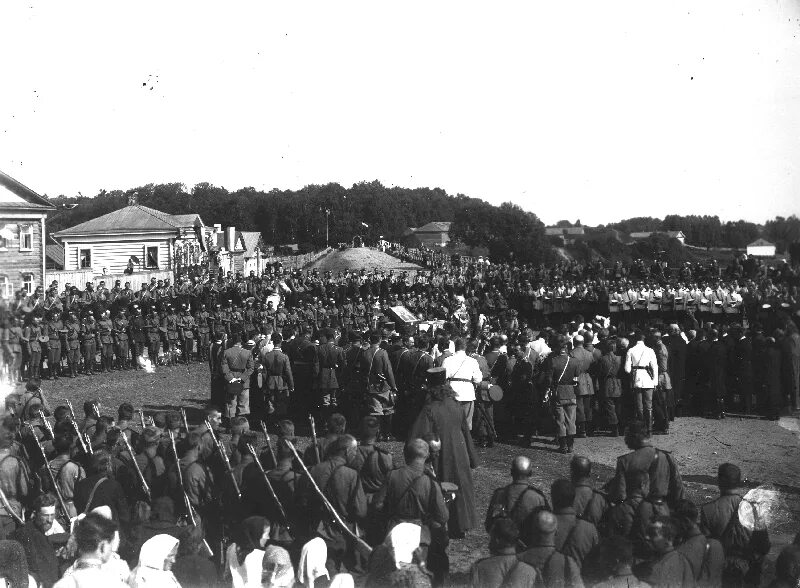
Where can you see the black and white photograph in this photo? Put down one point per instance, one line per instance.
(437, 294)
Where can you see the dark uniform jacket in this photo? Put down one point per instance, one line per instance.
(574, 537)
(503, 570)
(238, 363)
(590, 505)
(341, 486)
(706, 557)
(663, 477)
(330, 359)
(412, 495)
(277, 370)
(556, 569)
(373, 464)
(518, 500)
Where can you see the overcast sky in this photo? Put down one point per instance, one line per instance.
(591, 110)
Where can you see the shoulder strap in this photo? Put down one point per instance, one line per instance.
(91, 494)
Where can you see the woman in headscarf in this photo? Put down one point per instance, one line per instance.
(155, 563)
(193, 566)
(277, 571)
(245, 555)
(14, 566)
(313, 557)
(398, 561)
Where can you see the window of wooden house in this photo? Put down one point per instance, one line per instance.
(84, 258)
(27, 283)
(6, 287)
(26, 237)
(151, 257)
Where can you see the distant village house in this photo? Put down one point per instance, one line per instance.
(761, 248)
(434, 234)
(23, 234)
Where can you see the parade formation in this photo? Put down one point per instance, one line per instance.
(458, 353)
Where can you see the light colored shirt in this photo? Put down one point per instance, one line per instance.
(641, 356)
(463, 372)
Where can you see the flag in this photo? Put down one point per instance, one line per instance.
(365, 225)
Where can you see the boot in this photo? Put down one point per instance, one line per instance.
(562, 444)
(581, 430)
(570, 443)
(387, 427)
(590, 428)
(648, 422)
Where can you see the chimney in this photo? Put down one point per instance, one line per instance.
(133, 199)
(230, 238)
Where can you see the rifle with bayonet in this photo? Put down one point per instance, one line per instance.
(314, 437)
(271, 489)
(53, 481)
(87, 449)
(225, 461)
(139, 473)
(187, 503)
(269, 444)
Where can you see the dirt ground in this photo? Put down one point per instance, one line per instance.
(767, 452)
(360, 258)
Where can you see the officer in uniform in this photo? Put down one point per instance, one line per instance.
(218, 384)
(88, 342)
(219, 323)
(170, 322)
(278, 381)
(105, 327)
(121, 339)
(187, 326)
(55, 329)
(201, 319)
(138, 338)
(35, 336)
(73, 336)
(237, 367)
(249, 317)
(153, 326)
(330, 361)
(236, 324)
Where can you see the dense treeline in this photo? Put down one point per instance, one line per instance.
(371, 210)
(299, 216)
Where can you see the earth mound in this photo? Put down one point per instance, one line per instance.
(358, 258)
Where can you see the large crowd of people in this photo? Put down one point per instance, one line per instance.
(515, 353)
(103, 500)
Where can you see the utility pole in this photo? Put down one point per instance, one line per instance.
(327, 215)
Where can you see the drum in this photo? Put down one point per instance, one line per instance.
(450, 491)
(495, 393)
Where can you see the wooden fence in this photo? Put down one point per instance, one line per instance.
(79, 278)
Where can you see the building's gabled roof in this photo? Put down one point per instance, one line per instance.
(434, 227)
(250, 239)
(14, 194)
(136, 218)
(551, 231)
(55, 253)
(761, 242)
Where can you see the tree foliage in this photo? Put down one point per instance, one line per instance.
(783, 231)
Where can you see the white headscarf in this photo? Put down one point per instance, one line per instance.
(150, 571)
(403, 540)
(312, 562)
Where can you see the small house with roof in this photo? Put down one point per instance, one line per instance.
(433, 234)
(23, 214)
(568, 234)
(761, 248)
(135, 237)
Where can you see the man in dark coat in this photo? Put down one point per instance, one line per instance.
(575, 537)
(39, 550)
(517, 500)
(342, 487)
(676, 365)
(331, 362)
(379, 376)
(555, 568)
(237, 366)
(278, 380)
(717, 367)
(442, 417)
(503, 567)
(742, 364)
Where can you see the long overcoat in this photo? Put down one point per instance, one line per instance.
(446, 419)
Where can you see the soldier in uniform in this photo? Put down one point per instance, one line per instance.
(153, 327)
(236, 324)
(237, 366)
(138, 338)
(201, 319)
(121, 339)
(33, 337)
(278, 381)
(187, 327)
(55, 329)
(412, 494)
(105, 328)
(73, 348)
(88, 342)
(341, 485)
(249, 318)
(330, 362)
(170, 322)
(304, 370)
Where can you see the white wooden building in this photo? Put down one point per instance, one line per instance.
(761, 248)
(146, 238)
